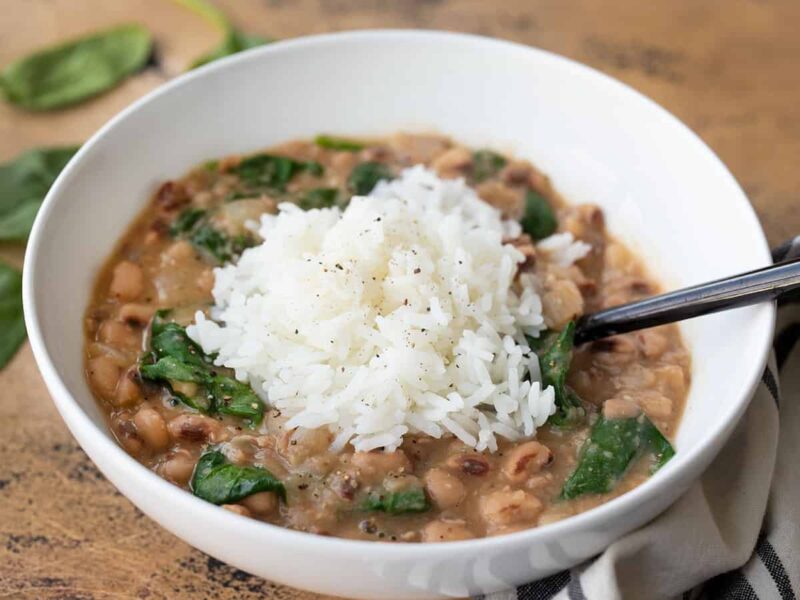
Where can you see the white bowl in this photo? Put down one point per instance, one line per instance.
(664, 192)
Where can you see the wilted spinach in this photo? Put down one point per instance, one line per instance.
(233, 41)
(334, 143)
(555, 355)
(70, 72)
(397, 503)
(486, 164)
(174, 357)
(611, 448)
(193, 224)
(12, 324)
(24, 182)
(539, 220)
(319, 198)
(220, 482)
(271, 172)
(365, 176)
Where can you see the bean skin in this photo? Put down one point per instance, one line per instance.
(152, 429)
(444, 489)
(104, 374)
(127, 282)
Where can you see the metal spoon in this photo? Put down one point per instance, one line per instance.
(731, 292)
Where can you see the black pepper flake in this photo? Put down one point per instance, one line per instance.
(417, 271)
(302, 486)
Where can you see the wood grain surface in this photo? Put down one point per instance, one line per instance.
(727, 68)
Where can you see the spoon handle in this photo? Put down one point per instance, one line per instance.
(739, 290)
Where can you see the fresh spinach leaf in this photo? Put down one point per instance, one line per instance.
(68, 73)
(24, 182)
(555, 356)
(273, 172)
(365, 176)
(319, 198)
(539, 220)
(611, 448)
(334, 143)
(12, 324)
(233, 41)
(397, 503)
(219, 482)
(486, 164)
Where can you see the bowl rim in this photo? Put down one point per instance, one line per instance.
(81, 425)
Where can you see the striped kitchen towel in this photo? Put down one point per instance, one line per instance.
(735, 535)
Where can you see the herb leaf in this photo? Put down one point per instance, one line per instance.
(539, 221)
(397, 503)
(24, 182)
(555, 356)
(219, 482)
(611, 448)
(485, 164)
(80, 68)
(335, 143)
(365, 176)
(12, 324)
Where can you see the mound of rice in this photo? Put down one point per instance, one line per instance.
(396, 315)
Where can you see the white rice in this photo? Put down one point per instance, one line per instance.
(398, 315)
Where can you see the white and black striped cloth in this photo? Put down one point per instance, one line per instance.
(735, 535)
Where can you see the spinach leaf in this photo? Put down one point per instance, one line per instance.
(234, 40)
(173, 356)
(234, 398)
(186, 221)
(555, 356)
(171, 367)
(656, 443)
(335, 143)
(397, 503)
(319, 198)
(273, 172)
(611, 448)
(213, 242)
(73, 71)
(193, 225)
(24, 182)
(365, 176)
(219, 482)
(539, 220)
(12, 324)
(486, 164)
(171, 340)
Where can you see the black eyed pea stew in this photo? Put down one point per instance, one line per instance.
(618, 400)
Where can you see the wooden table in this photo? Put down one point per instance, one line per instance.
(727, 68)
